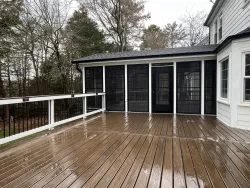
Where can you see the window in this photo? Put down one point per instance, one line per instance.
(215, 32)
(247, 78)
(224, 79)
(220, 27)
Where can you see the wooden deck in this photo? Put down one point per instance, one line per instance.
(134, 150)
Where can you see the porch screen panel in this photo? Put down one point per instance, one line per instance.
(115, 88)
(94, 84)
(189, 87)
(138, 88)
(210, 87)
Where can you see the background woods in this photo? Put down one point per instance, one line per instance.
(40, 38)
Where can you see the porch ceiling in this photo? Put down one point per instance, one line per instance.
(141, 150)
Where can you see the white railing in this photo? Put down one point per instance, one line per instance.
(50, 113)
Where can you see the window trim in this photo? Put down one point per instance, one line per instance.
(228, 71)
(244, 76)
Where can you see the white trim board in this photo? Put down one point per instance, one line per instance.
(47, 98)
(46, 127)
(151, 60)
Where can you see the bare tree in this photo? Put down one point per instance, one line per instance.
(154, 38)
(176, 34)
(122, 20)
(194, 28)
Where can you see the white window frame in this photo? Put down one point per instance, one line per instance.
(228, 71)
(244, 76)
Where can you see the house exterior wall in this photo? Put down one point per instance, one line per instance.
(240, 108)
(234, 111)
(235, 18)
(224, 105)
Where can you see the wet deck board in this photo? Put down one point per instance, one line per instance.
(133, 150)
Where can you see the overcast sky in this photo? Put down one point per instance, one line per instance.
(168, 11)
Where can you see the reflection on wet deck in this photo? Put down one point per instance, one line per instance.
(134, 150)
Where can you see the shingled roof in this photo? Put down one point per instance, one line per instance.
(167, 52)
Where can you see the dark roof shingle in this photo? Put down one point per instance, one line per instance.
(168, 52)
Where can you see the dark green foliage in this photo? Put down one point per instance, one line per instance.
(84, 37)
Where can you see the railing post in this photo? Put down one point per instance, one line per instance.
(84, 99)
(52, 111)
(103, 102)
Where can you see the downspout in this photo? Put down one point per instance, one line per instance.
(78, 68)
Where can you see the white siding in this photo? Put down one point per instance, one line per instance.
(243, 119)
(223, 113)
(234, 111)
(236, 18)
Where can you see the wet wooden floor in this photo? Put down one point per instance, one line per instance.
(134, 150)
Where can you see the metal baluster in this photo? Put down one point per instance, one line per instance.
(4, 125)
(23, 114)
(27, 115)
(9, 118)
(31, 115)
(41, 115)
(38, 122)
(18, 118)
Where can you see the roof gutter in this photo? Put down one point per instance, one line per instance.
(229, 39)
(143, 57)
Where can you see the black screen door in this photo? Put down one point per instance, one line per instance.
(115, 88)
(189, 87)
(162, 86)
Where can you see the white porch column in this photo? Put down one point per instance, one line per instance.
(83, 80)
(104, 89)
(175, 87)
(84, 91)
(52, 111)
(150, 88)
(126, 88)
(202, 86)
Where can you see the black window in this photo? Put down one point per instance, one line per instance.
(210, 87)
(138, 86)
(94, 84)
(224, 79)
(115, 88)
(247, 78)
(189, 87)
